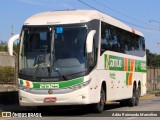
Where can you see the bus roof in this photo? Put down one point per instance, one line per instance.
(75, 16)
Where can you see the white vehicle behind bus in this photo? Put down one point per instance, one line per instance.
(79, 57)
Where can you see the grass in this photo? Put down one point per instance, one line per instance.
(7, 74)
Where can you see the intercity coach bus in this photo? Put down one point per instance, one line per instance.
(80, 57)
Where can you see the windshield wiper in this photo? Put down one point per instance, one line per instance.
(58, 69)
(42, 62)
(38, 66)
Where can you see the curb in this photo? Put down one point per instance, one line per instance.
(147, 96)
(157, 94)
(150, 95)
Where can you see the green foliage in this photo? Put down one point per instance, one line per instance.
(153, 60)
(4, 47)
(15, 48)
(7, 74)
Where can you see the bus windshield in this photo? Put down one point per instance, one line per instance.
(52, 51)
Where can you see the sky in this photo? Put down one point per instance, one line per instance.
(135, 13)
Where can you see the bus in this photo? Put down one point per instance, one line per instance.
(80, 57)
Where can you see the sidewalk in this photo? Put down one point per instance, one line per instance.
(8, 88)
(150, 95)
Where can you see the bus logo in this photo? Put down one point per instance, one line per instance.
(50, 92)
(112, 75)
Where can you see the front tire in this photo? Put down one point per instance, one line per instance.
(99, 107)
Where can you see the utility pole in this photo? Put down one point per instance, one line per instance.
(12, 30)
(16, 60)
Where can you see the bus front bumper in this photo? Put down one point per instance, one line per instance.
(77, 97)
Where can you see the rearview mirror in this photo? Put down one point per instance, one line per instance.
(10, 44)
(89, 41)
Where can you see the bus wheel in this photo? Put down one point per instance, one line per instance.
(139, 90)
(99, 107)
(137, 98)
(134, 101)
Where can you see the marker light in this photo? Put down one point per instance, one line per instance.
(24, 88)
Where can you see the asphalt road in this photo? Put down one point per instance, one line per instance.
(112, 111)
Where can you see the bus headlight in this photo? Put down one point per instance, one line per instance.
(79, 86)
(24, 88)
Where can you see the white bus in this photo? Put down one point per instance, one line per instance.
(80, 57)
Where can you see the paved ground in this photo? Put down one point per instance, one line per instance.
(149, 103)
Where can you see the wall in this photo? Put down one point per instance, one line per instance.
(6, 60)
(153, 79)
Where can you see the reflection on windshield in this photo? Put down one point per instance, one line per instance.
(45, 53)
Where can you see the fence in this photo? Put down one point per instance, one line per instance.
(153, 78)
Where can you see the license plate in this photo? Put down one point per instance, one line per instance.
(51, 99)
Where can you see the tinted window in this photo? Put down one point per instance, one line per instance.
(118, 40)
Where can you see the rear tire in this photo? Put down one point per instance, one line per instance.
(137, 98)
(139, 90)
(99, 107)
(134, 101)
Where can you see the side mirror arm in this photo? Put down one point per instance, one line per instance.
(10, 44)
(89, 41)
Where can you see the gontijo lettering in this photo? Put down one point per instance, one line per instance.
(115, 63)
(123, 64)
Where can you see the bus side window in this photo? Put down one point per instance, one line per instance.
(105, 38)
(116, 40)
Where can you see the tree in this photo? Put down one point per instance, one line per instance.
(4, 47)
(153, 60)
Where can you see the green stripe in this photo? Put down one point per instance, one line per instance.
(21, 82)
(141, 66)
(136, 65)
(129, 64)
(117, 64)
(105, 58)
(127, 77)
(57, 85)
